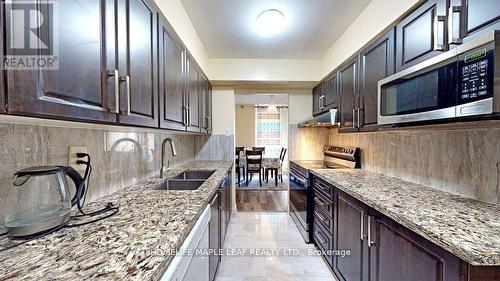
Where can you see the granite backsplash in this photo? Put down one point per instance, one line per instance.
(120, 156)
(464, 162)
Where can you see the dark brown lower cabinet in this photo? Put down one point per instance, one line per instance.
(399, 254)
(380, 248)
(350, 235)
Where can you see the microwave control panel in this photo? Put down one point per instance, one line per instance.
(476, 76)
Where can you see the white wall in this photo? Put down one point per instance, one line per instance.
(223, 115)
(376, 17)
(299, 106)
(178, 18)
(245, 125)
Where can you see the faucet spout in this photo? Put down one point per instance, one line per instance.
(163, 148)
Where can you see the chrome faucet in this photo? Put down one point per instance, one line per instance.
(163, 148)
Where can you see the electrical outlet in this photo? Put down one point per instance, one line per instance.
(73, 150)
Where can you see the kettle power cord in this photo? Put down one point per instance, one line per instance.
(82, 196)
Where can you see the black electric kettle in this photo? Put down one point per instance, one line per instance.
(39, 200)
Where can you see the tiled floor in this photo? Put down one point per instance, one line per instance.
(249, 230)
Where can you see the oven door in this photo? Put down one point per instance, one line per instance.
(300, 196)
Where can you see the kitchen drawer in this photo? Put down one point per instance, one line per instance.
(324, 241)
(323, 187)
(324, 220)
(324, 204)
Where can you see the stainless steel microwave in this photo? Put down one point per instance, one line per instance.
(464, 81)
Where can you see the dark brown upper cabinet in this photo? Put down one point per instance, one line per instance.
(318, 99)
(83, 86)
(206, 105)
(348, 93)
(193, 95)
(172, 80)
(137, 56)
(2, 82)
(330, 90)
(478, 15)
(376, 63)
(422, 34)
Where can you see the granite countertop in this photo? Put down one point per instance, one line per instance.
(467, 228)
(125, 246)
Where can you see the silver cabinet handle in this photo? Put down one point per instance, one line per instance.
(114, 73)
(321, 218)
(126, 79)
(320, 238)
(452, 37)
(362, 227)
(370, 242)
(359, 117)
(184, 116)
(354, 117)
(439, 33)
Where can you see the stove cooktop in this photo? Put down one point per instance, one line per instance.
(317, 164)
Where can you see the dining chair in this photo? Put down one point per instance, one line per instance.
(282, 160)
(259, 148)
(277, 169)
(254, 165)
(239, 166)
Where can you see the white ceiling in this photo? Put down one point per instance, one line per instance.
(227, 27)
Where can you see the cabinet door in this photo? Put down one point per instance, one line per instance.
(481, 15)
(209, 107)
(317, 92)
(348, 87)
(193, 95)
(79, 88)
(376, 63)
(137, 25)
(330, 91)
(205, 105)
(422, 34)
(2, 81)
(398, 254)
(172, 80)
(350, 234)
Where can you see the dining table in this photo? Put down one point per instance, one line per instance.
(268, 162)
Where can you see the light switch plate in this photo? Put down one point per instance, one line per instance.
(73, 150)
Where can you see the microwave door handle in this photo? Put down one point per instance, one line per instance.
(439, 33)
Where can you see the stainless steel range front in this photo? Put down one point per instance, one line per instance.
(334, 157)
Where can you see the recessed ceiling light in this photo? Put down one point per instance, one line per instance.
(270, 22)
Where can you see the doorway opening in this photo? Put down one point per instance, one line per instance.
(261, 153)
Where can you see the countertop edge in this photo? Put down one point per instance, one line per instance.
(406, 223)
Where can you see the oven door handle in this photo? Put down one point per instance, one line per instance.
(301, 179)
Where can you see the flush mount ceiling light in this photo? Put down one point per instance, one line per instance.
(270, 22)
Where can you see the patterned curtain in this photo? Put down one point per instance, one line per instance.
(268, 130)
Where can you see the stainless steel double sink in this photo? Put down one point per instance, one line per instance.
(187, 180)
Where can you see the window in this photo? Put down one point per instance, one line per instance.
(270, 131)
